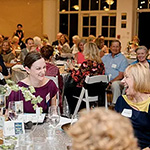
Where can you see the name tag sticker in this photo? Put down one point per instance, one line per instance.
(114, 66)
(127, 113)
(47, 97)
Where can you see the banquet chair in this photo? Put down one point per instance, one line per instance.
(97, 83)
(55, 79)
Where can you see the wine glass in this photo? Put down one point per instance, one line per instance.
(54, 116)
(12, 111)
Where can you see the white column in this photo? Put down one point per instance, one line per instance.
(50, 19)
(125, 6)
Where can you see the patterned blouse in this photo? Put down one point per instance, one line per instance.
(88, 67)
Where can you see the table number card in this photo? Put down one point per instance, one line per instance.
(13, 128)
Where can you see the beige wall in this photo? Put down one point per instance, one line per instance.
(27, 12)
(50, 19)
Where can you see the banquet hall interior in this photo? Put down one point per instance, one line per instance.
(60, 60)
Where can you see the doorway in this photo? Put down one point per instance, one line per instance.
(144, 29)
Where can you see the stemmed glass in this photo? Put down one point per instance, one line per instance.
(54, 116)
(12, 111)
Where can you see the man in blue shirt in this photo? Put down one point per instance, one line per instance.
(115, 65)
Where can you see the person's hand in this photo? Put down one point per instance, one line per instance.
(109, 85)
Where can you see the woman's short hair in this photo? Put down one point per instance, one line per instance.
(92, 52)
(99, 42)
(47, 51)
(142, 47)
(136, 38)
(102, 129)
(91, 38)
(76, 37)
(15, 39)
(37, 41)
(31, 57)
(141, 77)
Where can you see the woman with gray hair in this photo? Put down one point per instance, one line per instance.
(142, 53)
(135, 104)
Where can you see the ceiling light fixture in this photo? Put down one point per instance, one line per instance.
(109, 2)
(76, 7)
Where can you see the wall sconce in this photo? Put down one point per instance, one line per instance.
(109, 2)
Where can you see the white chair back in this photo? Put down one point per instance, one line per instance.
(87, 99)
(97, 78)
(55, 80)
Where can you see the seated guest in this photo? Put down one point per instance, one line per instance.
(133, 45)
(91, 38)
(80, 57)
(136, 103)
(102, 129)
(29, 46)
(142, 54)
(37, 43)
(51, 69)
(15, 45)
(45, 40)
(100, 44)
(3, 68)
(115, 65)
(74, 48)
(7, 54)
(64, 44)
(56, 43)
(92, 66)
(45, 88)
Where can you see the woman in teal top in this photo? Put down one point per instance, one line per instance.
(135, 104)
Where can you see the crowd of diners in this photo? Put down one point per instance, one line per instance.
(129, 84)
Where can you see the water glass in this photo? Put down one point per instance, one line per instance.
(12, 111)
(39, 143)
(54, 115)
(25, 142)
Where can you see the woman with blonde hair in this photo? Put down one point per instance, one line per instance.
(91, 55)
(37, 43)
(102, 129)
(90, 67)
(136, 103)
(16, 49)
(74, 48)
